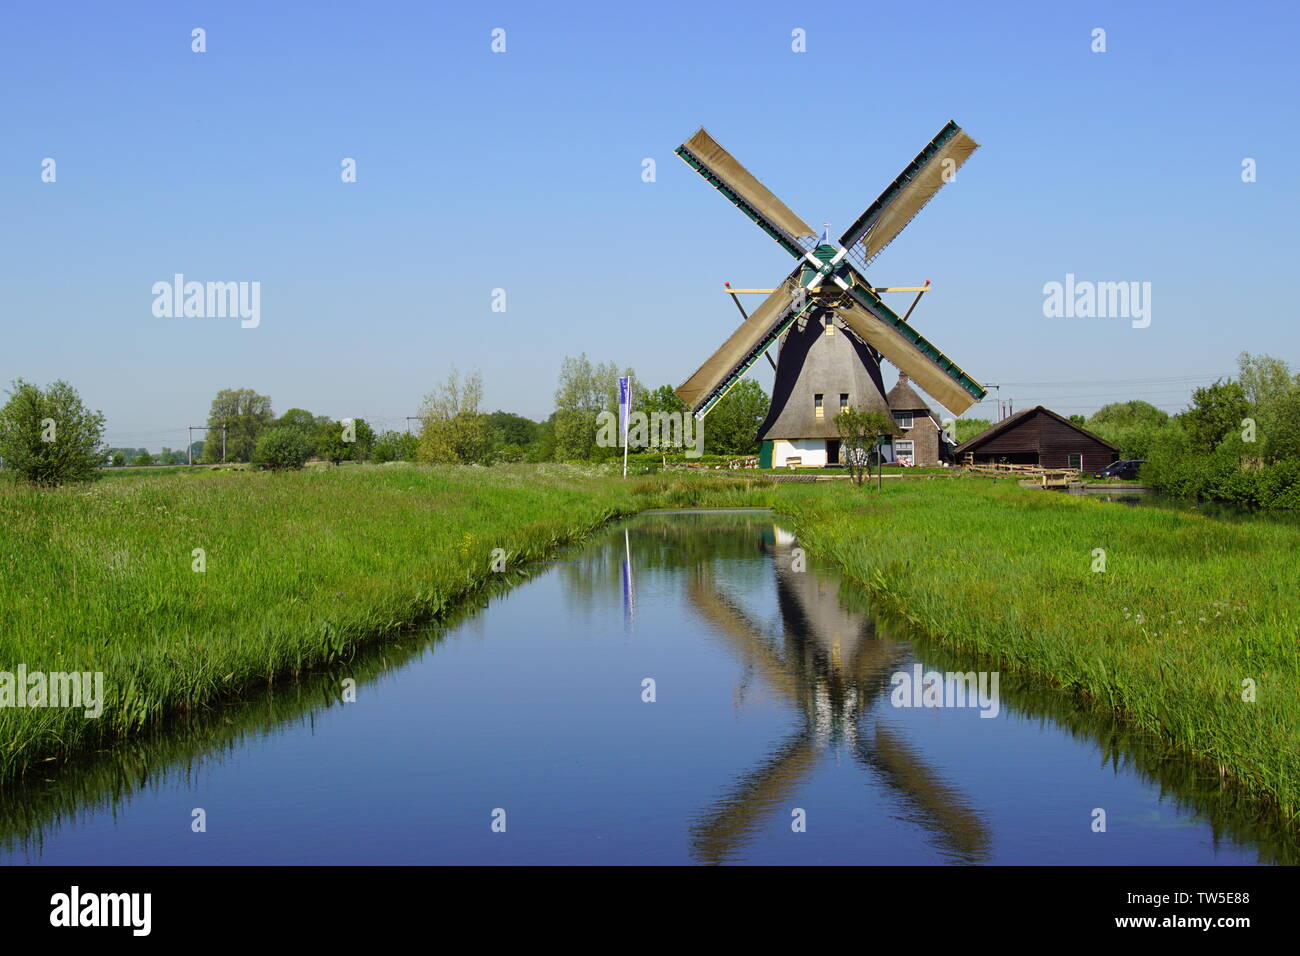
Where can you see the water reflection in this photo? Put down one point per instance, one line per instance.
(831, 666)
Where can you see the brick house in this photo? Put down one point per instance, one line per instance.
(921, 440)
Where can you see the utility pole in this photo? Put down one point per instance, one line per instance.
(995, 385)
(409, 419)
(223, 444)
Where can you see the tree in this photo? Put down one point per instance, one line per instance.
(1122, 414)
(454, 430)
(119, 459)
(1078, 420)
(143, 459)
(965, 429)
(245, 414)
(299, 418)
(658, 405)
(510, 435)
(663, 399)
(861, 433)
(584, 391)
(543, 446)
(338, 442)
(512, 429)
(394, 446)
(48, 437)
(1282, 428)
(731, 427)
(1216, 410)
(282, 446)
(1134, 426)
(1264, 379)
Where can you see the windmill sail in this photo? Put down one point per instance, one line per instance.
(910, 191)
(725, 173)
(744, 346)
(878, 326)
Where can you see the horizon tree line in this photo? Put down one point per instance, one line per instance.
(1247, 425)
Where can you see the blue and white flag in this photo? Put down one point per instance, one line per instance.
(624, 403)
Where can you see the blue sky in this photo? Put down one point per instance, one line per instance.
(522, 171)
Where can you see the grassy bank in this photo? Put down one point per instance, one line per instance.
(1186, 610)
(299, 568)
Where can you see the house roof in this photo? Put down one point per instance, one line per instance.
(1012, 421)
(903, 398)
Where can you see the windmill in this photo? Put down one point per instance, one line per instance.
(832, 325)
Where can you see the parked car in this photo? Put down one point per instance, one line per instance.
(1126, 469)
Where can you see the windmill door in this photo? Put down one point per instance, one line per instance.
(833, 451)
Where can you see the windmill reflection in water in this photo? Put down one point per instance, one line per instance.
(830, 664)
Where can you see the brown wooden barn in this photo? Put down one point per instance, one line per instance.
(1038, 436)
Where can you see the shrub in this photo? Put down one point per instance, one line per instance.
(394, 446)
(282, 446)
(48, 437)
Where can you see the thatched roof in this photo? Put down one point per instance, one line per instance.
(903, 398)
(812, 362)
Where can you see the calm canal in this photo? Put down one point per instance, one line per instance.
(772, 737)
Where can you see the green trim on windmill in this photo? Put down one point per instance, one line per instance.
(862, 293)
(785, 241)
(854, 232)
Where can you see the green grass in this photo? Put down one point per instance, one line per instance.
(300, 568)
(888, 470)
(1186, 610)
(304, 568)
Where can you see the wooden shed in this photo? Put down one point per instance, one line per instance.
(1038, 436)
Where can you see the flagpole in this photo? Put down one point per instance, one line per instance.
(626, 418)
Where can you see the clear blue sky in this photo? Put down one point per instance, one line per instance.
(522, 171)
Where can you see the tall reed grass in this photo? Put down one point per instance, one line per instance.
(299, 569)
(1188, 616)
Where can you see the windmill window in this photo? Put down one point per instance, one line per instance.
(830, 327)
(1076, 461)
(904, 449)
(844, 400)
(904, 419)
(817, 404)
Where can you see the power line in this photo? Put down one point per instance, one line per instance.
(1166, 380)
